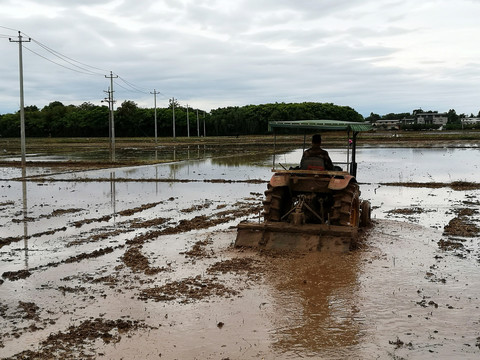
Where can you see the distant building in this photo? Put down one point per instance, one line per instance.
(425, 118)
(471, 120)
(408, 121)
(433, 118)
(387, 124)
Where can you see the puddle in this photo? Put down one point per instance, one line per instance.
(151, 246)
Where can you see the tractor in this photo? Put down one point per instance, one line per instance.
(313, 209)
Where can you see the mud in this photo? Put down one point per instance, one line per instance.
(151, 274)
(72, 343)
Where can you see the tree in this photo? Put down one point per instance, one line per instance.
(373, 117)
(453, 118)
(170, 102)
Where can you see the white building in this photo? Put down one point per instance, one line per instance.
(471, 120)
(434, 118)
(386, 124)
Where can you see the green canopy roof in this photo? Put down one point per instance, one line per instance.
(321, 125)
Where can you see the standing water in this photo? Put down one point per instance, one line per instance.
(144, 254)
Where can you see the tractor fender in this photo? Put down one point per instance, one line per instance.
(279, 180)
(340, 182)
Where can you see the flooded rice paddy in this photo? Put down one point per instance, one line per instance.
(137, 262)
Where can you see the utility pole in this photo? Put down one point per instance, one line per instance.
(112, 122)
(22, 105)
(173, 108)
(198, 126)
(188, 124)
(204, 131)
(155, 104)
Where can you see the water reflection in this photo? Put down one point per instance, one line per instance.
(317, 296)
(25, 214)
(113, 194)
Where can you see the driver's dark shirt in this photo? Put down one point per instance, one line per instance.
(317, 152)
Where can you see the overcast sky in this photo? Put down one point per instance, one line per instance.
(374, 56)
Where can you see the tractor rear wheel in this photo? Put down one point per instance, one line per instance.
(274, 203)
(365, 215)
(346, 206)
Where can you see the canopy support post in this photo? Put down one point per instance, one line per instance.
(353, 170)
(274, 147)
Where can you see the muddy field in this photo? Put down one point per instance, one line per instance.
(137, 262)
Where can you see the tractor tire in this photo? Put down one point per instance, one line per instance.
(274, 203)
(346, 206)
(365, 213)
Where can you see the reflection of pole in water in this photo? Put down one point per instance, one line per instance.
(198, 151)
(173, 171)
(112, 194)
(156, 178)
(25, 223)
(188, 152)
(156, 155)
(174, 153)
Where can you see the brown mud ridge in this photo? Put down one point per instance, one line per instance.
(138, 262)
(77, 164)
(23, 274)
(119, 180)
(455, 185)
(198, 222)
(408, 211)
(187, 290)
(458, 230)
(74, 343)
(57, 212)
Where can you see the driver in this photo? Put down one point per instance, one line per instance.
(316, 158)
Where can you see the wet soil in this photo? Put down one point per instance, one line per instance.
(137, 285)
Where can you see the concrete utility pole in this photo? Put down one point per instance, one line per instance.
(22, 105)
(173, 108)
(198, 126)
(155, 104)
(204, 131)
(188, 124)
(112, 122)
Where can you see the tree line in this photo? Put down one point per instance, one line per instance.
(89, 120)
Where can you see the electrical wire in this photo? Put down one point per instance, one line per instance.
(68, 59)
(132, 86)
(56, 63)
(7, 28)
(77, 66)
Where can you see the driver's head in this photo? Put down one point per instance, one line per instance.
(317, 139)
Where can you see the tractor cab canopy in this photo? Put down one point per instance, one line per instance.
(350, 127)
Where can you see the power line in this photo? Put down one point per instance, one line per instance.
(77, 66)
(70, 60)
(56, 63)
(134, 87)
(7, 28)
